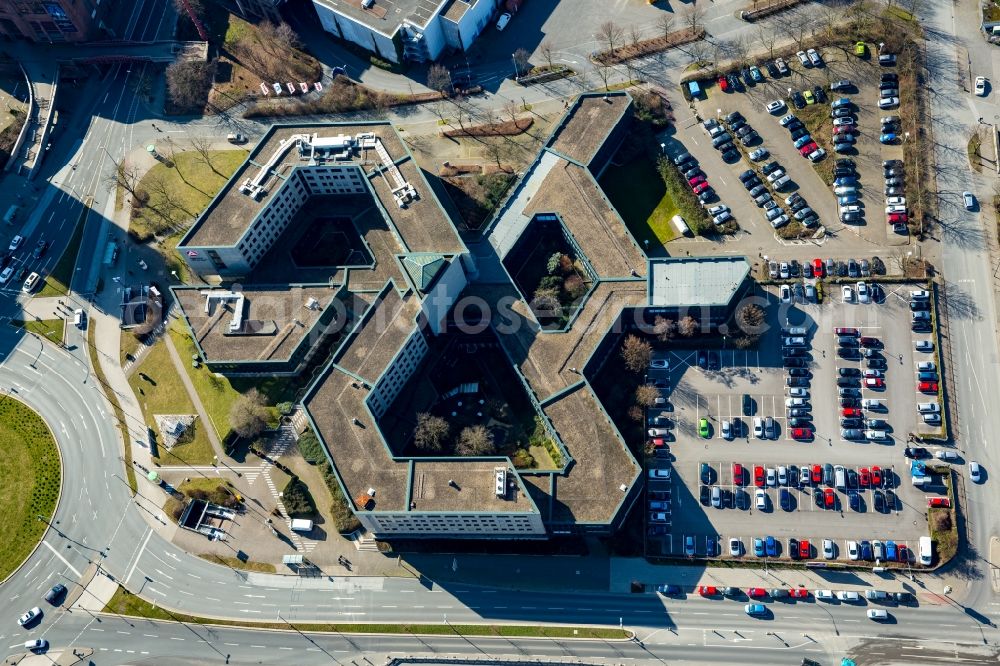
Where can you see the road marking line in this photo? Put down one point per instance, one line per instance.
(64, 560)
(137, 556)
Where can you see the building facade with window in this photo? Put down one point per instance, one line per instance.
(54, 21)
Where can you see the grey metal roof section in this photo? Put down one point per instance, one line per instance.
(695, 281)
(423, 269)
(513, 221)
(386, 16)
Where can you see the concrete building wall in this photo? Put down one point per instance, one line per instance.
(352, 31)
(458, 525)
(334, 180)
(438, 302)
(475, 21)
(407, 360)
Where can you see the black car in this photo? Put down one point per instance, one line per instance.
(799, 372)
(40, 249)
(702, 359)
(741, 499)
(888, 164)
(739, 124)
(747, 405)
(855, 501)
(794, 125)
(879, 499)
(845, 161)
(818, 497)
(799, 422)
(798, 100)
(819, 94)
(703, 495)
(916, 452)
(796, 381)
(734, 116)
(772, 69)
(752, 183)
(851, 423)
(799, 133)
(849, 372)
(747, 175)
(852, 479)
(795, 362)
(730, 155)
(839, 172)
(21, 274)
(747, 78)
(890, 500)
(877, 363)
(903, 597)
(734, 82)
(920, 327)
(918, 306)
(848, 382)
(691, 173)
(849, 353)
(795, 268)
(769, 167)
(850, 401)
(790, 352)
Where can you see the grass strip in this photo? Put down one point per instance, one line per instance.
(50, 329)
(236, 563)
(30, 478)
(126, 603)
(57, 282)
(115, 407)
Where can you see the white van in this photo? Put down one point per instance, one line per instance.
(840, 477)
(921, 480)
(301, 525)
(823, 595)
(926, 553)
(78, 318)
(877, 614)
(682, 227)
(30, 283)
(928, 407)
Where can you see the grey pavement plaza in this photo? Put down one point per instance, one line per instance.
(98, 522)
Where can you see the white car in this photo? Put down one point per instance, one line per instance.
(784, 270)
(864, 296)
(817, 155)
(36, 645)
(758, 427)
(716, 210)
(888, 102)
(795, 402)
(895, 201)
(727, 429)
(786, 294)
(785, 120)
(889, 210)
(30, 616)
(772, 478)
(923, 346)
(661, 363)
(782, 475)
(828, 549)
(975, 472)
(782, 181)
(981, 86)
(926, 366)
(848, 595)
(503, 21)
(798, 393)
(775, 106)
(852, 550)
(775, 175)
(928, 408)
(15, 243)
(735, 547)
(6, 275)
(850, 208)
(846, 120)
(970, 200)
(848, 293)
(659, 474)
(803, 58)
(814, 57)
(760, 499)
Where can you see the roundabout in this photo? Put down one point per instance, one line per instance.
(30, 480)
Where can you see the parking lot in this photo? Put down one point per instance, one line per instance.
(708, 425)
(807, 176)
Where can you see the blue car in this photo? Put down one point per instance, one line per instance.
(755, 610)
(758, 547)
(802, 140)
(710, 546)
(866, 551)
(847, 199)
(843, 101)
(846, 180)
(772, 546)
(889, 137)
(891, 553)
(755, 74)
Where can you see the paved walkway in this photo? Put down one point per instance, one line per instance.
(193, 394)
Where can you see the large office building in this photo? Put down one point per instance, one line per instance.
(410, 30)
(54, 21)
(329, 241)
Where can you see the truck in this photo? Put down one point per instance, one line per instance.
(926, 551)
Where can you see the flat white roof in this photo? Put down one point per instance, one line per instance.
(695, 281)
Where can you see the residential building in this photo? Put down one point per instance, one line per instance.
(54, 21)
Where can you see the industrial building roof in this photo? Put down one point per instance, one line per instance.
(695, 281)
(386, 16)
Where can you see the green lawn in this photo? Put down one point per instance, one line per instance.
(29, 481)
(50, 329)
(638, 193)
(191, 184)
(125, 603)
(218, 393)
(57, 282)
(164, 393)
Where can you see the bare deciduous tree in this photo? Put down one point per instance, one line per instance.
(126, 176)
(646, 395)
(475, 441)
(604, 72)
(430, 433)
(203, 146)
(521, 61)
(611, 34)
(547, 52)
(688, 326)
(636, 353)
(248, 415)
(188, 83)
(439, 79)
(767, 39)
(664, 328)
(666, 24)
(693, 17)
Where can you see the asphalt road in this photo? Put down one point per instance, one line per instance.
(96, 521)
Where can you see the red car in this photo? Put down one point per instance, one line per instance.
(828, 498)
(843, 129)
(851, 412)
(864, 477)
(723, 84)
(876, 476)
(798, 593)
(897, 218)
(808, 148)
(694, 180)
(802, 433)
(738, 474)
(805, 552)
(707, 590)
(817, 475)
(658, 443)
(700, 187)
(847, 331)
(818, 267)
(874, 383)
(904, 553)
(758, 476)
(870, 342)
(927, 387)
(756, 592)
(940, 502)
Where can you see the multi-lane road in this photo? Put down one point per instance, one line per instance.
(98, 522)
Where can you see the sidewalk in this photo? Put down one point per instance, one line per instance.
(213, 437)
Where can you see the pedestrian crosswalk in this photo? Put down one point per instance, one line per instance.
(284, 440)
